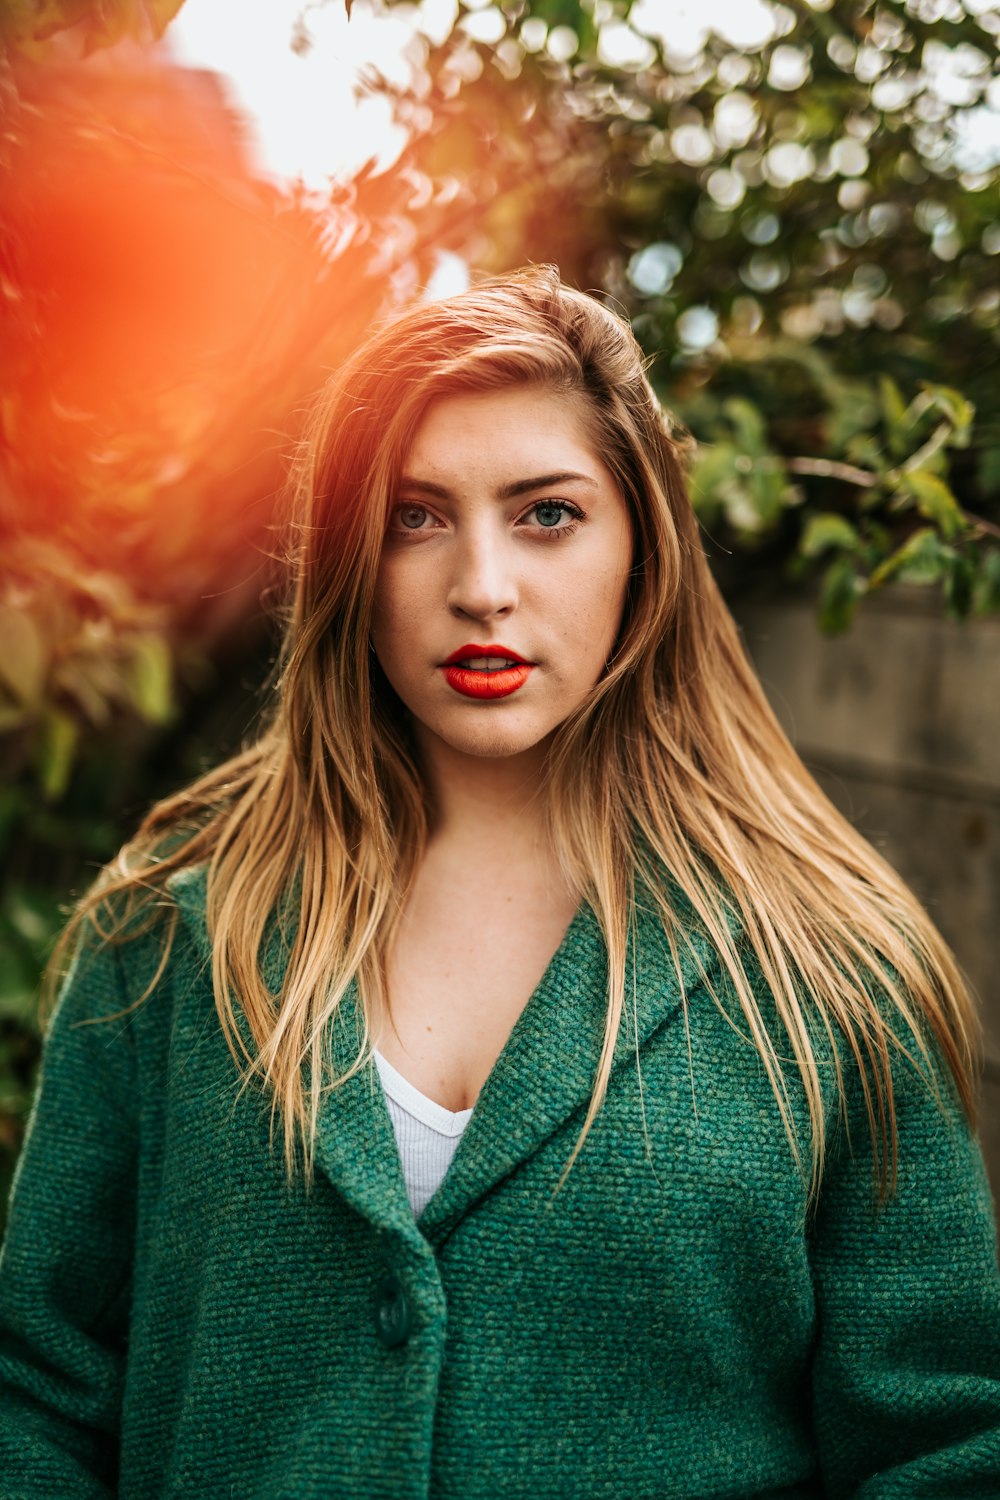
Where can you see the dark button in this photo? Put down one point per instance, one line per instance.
(392, 1312)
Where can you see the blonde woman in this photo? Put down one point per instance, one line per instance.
(509, 1077)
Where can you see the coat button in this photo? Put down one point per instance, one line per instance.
(392, 1312)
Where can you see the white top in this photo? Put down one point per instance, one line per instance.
(427, 1134)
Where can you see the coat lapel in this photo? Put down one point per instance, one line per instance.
(544, 1073)
(547, 1068)
(355, 1146)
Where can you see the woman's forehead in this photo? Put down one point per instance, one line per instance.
(500, 423)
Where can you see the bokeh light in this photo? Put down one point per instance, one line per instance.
(298, 72)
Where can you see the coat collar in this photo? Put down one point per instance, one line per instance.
(355, 1147)
(544, 1073)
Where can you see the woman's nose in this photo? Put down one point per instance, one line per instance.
(483, 581)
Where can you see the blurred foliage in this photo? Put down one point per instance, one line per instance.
(165, 313)
(794, 202)
(797, 206)
(27, 27)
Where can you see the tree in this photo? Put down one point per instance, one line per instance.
(792, 207)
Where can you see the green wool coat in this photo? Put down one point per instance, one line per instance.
(176, 1321)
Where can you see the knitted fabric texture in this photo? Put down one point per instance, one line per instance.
(176, 1321)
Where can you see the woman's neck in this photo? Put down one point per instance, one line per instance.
(490, 805)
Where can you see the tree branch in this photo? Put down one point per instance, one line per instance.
(981, 524)
(937, 440)
(828, 468)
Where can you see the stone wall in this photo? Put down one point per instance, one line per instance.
(900, 723)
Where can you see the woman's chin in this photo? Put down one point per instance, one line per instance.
(487, 739)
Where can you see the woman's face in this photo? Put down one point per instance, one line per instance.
(507, 536)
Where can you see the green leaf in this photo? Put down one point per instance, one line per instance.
(921, 559)
(842, 588)
(151, 678)
(957, 408)
(34, 917)
(865, 450)
(895, 415)
(770, 491)
(23, 657)
(748, 425)
(56, 750)
(827, 530)
(876, 541)
(852, 412)
(742, 509)
(935, 502)
(18, 988)
(714, 465)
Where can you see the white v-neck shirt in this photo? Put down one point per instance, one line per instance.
(427, 1134)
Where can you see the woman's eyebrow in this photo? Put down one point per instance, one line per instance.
(506, 491)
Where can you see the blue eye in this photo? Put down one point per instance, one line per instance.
(406, 511)
(547, 512)
(412, 517)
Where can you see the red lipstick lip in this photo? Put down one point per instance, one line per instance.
(466, 653)
(475, 683)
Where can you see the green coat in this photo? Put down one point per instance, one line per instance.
(174, 1321)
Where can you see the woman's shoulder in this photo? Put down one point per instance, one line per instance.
(187, 890)
(126, 943)
(888, 1030)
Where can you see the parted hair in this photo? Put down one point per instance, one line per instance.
(672, 784)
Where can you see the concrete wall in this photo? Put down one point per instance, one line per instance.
(900, 723)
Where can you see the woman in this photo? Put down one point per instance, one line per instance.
(522, 865)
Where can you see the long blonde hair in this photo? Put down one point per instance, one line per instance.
(674, 771)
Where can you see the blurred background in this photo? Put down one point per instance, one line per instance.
(204, 207)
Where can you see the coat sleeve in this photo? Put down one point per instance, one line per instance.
(906, 1385)
(65, 1268)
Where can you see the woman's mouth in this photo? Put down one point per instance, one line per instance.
(481, 676)
(487, 682)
